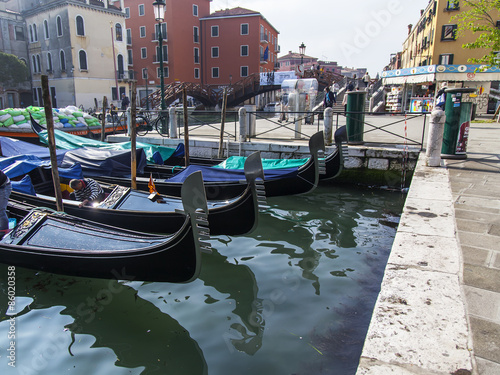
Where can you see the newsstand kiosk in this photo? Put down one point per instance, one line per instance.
(456, 127)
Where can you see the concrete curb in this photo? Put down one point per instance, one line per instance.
(419, 324)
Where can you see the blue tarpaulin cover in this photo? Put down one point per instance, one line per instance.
(20, 165)
(14, 147)
(211, 174)
(99, 162)
(24, 186)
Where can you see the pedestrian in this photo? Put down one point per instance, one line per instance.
(441, 96)
(350, 86)
(125, 102)
(87, 191)
(329, 99)
(366, 79)
(335, 89)
(5, 189)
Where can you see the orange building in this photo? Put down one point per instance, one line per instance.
(181, 42)
(236, 43)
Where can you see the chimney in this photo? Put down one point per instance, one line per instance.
(422, 12)
(409, 28)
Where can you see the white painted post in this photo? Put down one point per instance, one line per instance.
(173, 122)
(435, 138)
(328, 125)
(243, 124)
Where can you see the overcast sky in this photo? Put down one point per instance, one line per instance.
(355, 33)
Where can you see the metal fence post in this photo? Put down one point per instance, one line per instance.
(129, 116)
(173, 122)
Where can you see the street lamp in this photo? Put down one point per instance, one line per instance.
(159, 9)
(302, 50)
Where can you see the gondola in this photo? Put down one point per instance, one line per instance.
(156, 213)
(59, 243)
(225, 184)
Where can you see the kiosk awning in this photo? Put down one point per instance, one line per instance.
(420, 78)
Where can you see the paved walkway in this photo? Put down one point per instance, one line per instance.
(438, 311)
(475, 186)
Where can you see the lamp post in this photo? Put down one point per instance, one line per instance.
(302, 51)
(159, 9)
(147, 91)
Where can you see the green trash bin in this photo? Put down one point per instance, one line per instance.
(355, 117)
(456, 127)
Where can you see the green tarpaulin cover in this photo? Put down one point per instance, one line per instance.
(68, 141)
(237, 162)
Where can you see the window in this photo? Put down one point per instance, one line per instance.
(31, 33)
(449, 32)
(453, 5)
(215, 31)
(141, 9)
(49, 62)
(142, 31)
(62, 60)
(215, 72)
(244, 29)
(130, 57)
(196, 55)
(163, 31)
(165, 72)
(127, 12)
(118, 31)
(497, 24)
(244, 50)
(195, 10)
(46, 29)
(196, 73)
(129, 37)
(80, 28)
(35, 33)
(59, 26)
(82, 56)
(164, 53)
(196, 35)
(244, 71)
(33, 62)
(446, 59)
(38, 65)
(120, 67)
(144, 53)
(19, 32)
(215, 52)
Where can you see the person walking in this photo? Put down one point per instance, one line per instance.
(125, 102)
(366, 79)
(335, 89)
(329, 99)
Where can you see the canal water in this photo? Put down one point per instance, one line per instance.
(294, 297)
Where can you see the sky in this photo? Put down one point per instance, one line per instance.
(354, 33)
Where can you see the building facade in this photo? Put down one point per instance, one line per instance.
(181, 48)
(237, 43)
(433, 53)
(13, 42)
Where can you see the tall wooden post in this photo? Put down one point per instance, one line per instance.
(52, 141)
(103, 120)
(133, 137)
(222, 123)
(186, 128)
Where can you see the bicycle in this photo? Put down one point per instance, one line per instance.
(160, 123)
(142, 122)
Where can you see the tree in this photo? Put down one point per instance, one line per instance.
(12, 70)
(480, 16)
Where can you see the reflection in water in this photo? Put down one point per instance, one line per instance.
(239, 282)
(138, 332)
(294, 297)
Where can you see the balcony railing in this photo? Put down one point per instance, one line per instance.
(157, 59)
(154, 36)
(264, 38)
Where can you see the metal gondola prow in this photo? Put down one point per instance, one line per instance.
(194, 200)
(317, 150)
(253, 171)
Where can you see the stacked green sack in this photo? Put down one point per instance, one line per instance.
(18, 118)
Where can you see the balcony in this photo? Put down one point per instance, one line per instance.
(277, 48)
(264, 38)
(156, 59)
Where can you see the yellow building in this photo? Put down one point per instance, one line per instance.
(433, 53)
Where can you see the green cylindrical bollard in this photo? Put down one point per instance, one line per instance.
(355, 116)
(456, 127)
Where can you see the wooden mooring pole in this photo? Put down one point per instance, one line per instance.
(47, 104)
(103, 120)
(186, 126)
(133, 137)
(222, 123)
